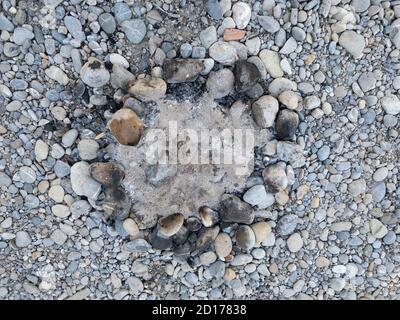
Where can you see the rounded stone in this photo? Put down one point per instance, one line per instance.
(223, 245)
(220, 83)
(109, 174)
(170, 225)
(94, 73)
(275, 177)
(88, 149)
(245, 237)
(294, 242)
(286, 124)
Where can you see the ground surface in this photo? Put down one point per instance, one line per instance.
(333, 231)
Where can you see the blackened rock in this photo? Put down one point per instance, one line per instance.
(246, 75)
(117, 203)
(181, 236)
(193, 224)
(235, 210)
(206, 238)
(109, 174)
(286, 124)
(182, 70)
(159, 243)
(183, 251)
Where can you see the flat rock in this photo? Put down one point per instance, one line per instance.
(264, 111)
(182, 70)
(134, 29)
(353, 42)
(271, 60)
(235, 210)
(391, 104)
(148, 89)
(223, 53)
(81, 182)
(246, 75)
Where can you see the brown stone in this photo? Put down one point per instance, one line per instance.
(233, 34)
(126, 127)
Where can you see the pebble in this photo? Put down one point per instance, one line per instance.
(107, 23)
(182, 70)
(271, 60)
(81, 182)
(269, 24)
(378, 229)
(60, 210)
(245, 237)
(41, 150)
(257, 196)
(223, 53)
(353, 42)
(261, 231)
(235, 210)
(264, 111)
(55, 73)
(289, 99)
(131, 227)
(287, 224)
(275, 178)
(69, 137)
(357, 187)
(135, 30)
(279, 85)
(170, 225)
(27, 174)
(295, 242)
(21, 35)
(109, 174)
(88, 149)
(323, 153)
(94, 73)
(241, 14)
(207, 37)
(56, 193)
(286, 124)
(22, 239)
(220, 83)
(126, 127)
(391, 104)
(223, 245)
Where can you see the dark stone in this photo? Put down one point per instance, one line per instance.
(181, 236)
(193, 224)
(206, 238)
(159, 243)
(182, 70)
(109, 174)
(235, 210)
(286, 124)
(116, 204)
(246, 75)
